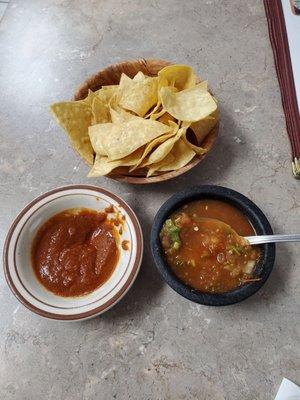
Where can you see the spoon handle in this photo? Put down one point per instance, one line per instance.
(295, 237)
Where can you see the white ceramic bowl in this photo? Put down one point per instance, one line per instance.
(17, 254)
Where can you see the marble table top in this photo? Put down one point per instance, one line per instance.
(153, 344)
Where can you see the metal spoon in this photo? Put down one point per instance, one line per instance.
(295, 237)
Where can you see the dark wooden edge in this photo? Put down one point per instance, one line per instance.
(282, 58)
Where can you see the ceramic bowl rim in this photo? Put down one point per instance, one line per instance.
(111, 301)
(255, 216)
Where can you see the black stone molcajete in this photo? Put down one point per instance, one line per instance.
(259, 222)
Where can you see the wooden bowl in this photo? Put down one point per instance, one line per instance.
(111, 76)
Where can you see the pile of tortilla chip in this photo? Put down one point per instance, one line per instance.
(142, 123)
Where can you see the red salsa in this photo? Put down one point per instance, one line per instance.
(75, 252)
(204, 246)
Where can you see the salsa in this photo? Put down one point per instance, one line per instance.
(125, 244)
(75, 252)
(204, 246)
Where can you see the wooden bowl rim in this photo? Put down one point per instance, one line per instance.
(142, 180)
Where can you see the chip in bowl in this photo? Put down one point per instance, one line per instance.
(142, 124)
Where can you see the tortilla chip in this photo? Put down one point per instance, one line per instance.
(163, 149)
(188, 105)
(158, 110)
(75, 118)
(152, 144)
(138, 96)
(102, 165)
(121, 139)
(100, 112)
(118, 114)
(180, 76)
(197, 149)
(139, 77)
(204, 126)
(182, 153)
(204, 86)
(107, 92)
(158, 113)
(165, 118)
(89, 98)
(154, 167)
(153, 110)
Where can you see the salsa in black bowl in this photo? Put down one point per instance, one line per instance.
(204, 260)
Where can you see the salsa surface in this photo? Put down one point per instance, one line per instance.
(75, 252)
(202, 246)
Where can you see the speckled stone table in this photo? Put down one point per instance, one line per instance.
(153, 344)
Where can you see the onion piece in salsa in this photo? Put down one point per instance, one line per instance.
(203, 246)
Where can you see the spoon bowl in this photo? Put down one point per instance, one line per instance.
(250, 240)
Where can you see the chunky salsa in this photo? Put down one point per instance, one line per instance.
(75, 252)
(204, 246)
